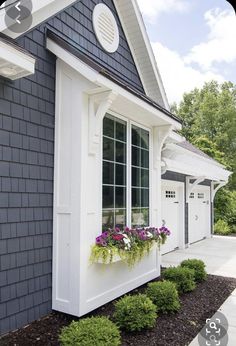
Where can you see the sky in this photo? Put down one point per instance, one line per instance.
(194, 41)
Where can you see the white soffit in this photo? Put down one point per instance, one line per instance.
(184, 161)
(15, 64)
(105, 27)
(136, 34)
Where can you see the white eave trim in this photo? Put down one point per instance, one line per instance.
(16, 60)
(42, 10)
(136, 34)
(183, 161)
(106, 84)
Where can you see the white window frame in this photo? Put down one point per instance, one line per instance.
(129, 124)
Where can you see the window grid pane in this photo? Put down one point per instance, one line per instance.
(114, 172)
(140, 177)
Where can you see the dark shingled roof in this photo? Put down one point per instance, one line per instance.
(187, 145)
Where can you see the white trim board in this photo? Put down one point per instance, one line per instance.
(20, 63)
(155, 116)
(42, 10)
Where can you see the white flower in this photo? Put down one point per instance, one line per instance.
(149, 235)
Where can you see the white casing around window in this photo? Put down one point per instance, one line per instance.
(105, 27)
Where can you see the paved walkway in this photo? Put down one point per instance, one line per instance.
(219, 255)
(228, 308)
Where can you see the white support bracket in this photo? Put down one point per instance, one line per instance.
(190, 186)
(99, 104)
(215, 186)
(160, 134)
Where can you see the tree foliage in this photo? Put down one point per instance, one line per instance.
(209, 122)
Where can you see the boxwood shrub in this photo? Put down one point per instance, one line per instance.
(93, 331)
(198, 266)
(164, 295)
(134, 313)
(183, 277)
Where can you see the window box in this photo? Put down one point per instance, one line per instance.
(128, 245)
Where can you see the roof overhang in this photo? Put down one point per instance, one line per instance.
(135, 31)
(183, 161)
(126, 102)
(14, 62)
(41, 10)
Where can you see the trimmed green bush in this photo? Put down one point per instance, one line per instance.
(164, 295)
(183, 278)
(93, 331)
(221, 227)
(134, 313)
(198, 266)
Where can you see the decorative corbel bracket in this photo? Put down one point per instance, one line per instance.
(215, 186)
(99, 104)
(160, 134)
(190, 186)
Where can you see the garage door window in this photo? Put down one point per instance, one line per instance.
(200, 195)
(170, 194)
(125, 174)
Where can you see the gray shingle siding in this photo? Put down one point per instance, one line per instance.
(76, 27)
(26, 163)
(182, 178)
(26, 188)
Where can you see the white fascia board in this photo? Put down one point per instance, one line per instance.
(10, 57)
(136, 34)
(42, 10)
(103, 82)
(179, 149)
(16, 57)
(197, 171)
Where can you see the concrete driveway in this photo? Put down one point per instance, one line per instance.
(218, 253)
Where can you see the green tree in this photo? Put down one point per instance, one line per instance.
(209, 122)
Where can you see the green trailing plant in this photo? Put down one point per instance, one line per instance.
(134, 313)
(131, 245)
(198, 266)
(221, 227)
(164, 295)
(183, 278)
(93, 331)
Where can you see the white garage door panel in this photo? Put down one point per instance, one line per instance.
(199, 214)
(171, 215)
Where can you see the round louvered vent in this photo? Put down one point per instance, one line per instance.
(106, 28)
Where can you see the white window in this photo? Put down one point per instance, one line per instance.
(125, 174)
(201, 195)
(170, 194)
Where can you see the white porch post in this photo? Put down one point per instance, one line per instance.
(160, 134)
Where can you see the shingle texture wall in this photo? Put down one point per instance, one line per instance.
(26, 164)
(26, 189)
(76, 27)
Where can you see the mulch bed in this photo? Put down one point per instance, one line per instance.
(173, 330)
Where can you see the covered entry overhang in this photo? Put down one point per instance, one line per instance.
(202, 178)
(15, 62)
(126, 100)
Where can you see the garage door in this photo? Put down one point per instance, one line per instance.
(199, 214)
(172, 204)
